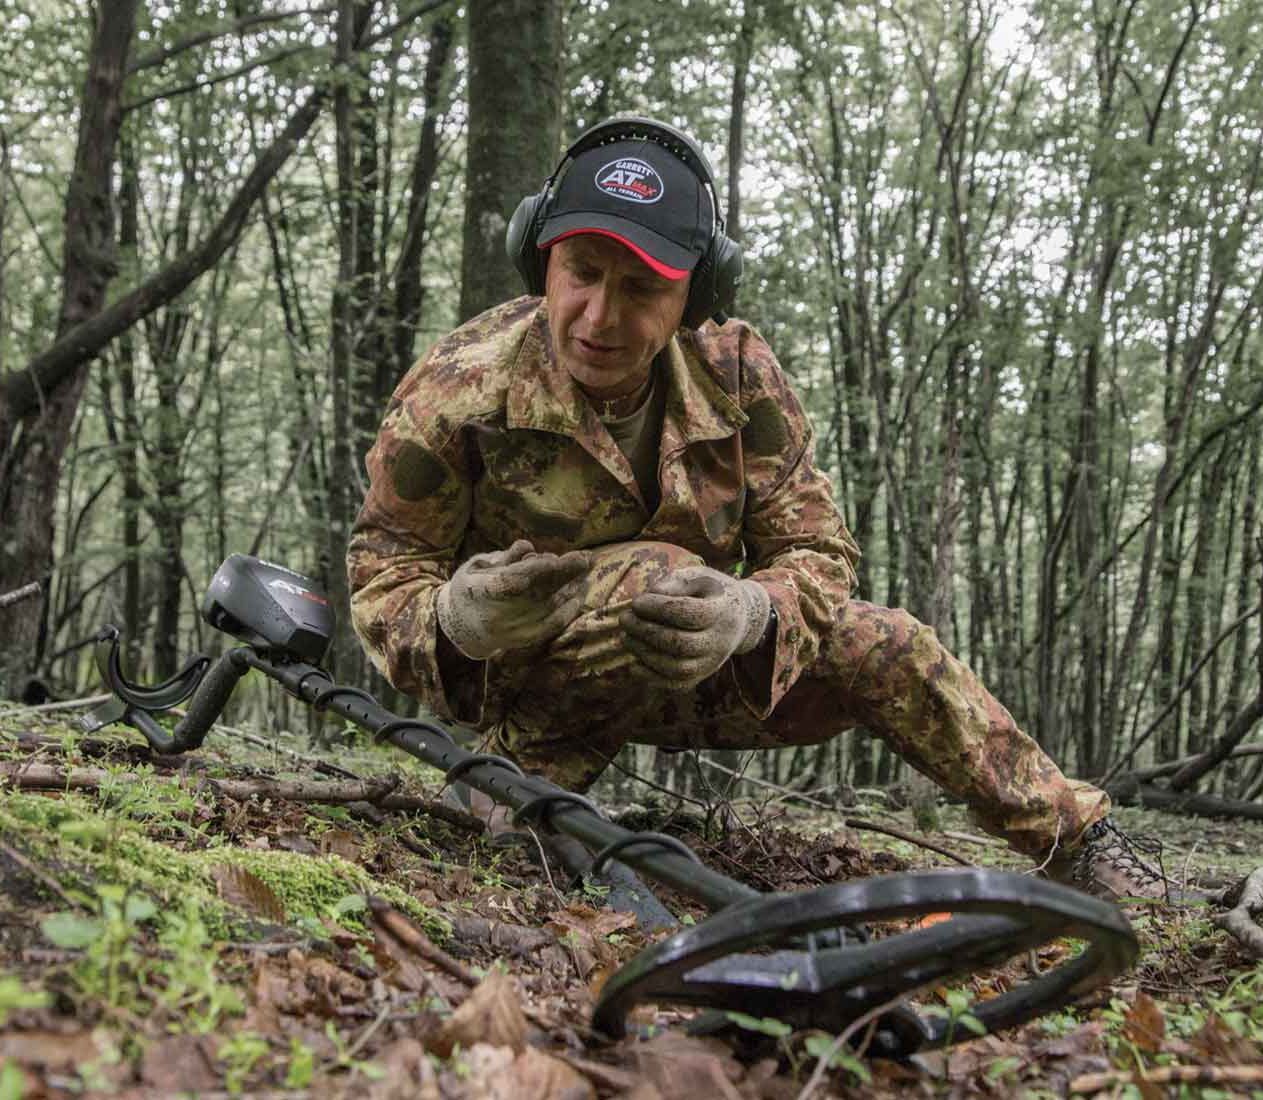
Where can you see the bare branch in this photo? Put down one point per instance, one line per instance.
(220, 30)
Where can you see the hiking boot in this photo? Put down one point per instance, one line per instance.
(1110, 864)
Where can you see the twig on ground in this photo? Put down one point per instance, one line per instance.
(899, 834)
(785, 791)
(969, 838)
(365, 1035)
(1169, 1075)
(263, 743)
(40, 874)
(1239, 921)
(52, 777)
(543, 862)
(403, 929)
(63, 704)
(822, 1064)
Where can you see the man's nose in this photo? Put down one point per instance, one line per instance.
(602, 306)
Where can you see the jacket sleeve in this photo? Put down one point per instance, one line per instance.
(404, 544)
(796, 543)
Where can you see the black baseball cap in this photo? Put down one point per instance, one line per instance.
(642, 195)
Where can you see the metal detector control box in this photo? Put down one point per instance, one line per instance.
(269, 606)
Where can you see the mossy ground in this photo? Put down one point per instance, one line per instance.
(118, 934)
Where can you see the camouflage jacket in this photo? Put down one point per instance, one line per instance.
(487, 439)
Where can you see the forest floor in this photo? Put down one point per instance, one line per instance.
(162, 936)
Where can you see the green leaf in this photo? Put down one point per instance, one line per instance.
(12, 1081)
(765, 1025)
(139, 908)
(973, 1023)
(302, 1065)
(70, 930)
(352, 903)
(819, 1046)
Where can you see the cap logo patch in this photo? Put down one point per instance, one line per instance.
(630, 178)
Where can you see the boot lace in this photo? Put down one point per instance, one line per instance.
(1107, 841)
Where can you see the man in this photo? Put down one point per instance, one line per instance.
(563, 494)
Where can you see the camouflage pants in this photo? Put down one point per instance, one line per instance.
(566, 710)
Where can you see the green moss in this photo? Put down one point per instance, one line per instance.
(85, 844)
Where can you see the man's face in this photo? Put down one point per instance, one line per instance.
(610, 313)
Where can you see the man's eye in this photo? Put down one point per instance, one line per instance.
(583, 272)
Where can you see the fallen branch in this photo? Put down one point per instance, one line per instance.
(39, 873)
(51, 777)
(1242, 723)
(899, 834)
(404, 930)
(1198, 805)
(1169, 1075)
(1160, 771)
(1239, 921)
(65, 704)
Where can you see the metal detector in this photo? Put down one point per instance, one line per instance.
(805, 958)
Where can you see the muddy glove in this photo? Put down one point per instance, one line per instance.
(687, 625)
(510, 599)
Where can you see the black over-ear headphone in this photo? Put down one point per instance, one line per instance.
(717, 274)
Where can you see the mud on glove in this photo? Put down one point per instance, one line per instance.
(510, 599)
(689, 623)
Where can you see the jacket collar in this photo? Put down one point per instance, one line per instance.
(543, 396)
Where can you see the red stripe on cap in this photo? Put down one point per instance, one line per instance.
(662, 269)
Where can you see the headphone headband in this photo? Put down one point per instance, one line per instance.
(717, 274)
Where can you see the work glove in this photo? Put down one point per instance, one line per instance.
(511, 599)
(684, 627)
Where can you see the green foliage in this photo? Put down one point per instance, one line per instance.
(72, 834)
(14, 997)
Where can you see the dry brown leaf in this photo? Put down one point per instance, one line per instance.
(330, 986)
(342, 842)
(245, 890)
(296, 842)
(408, 1074)
(52, 1049)
(532, 1075)
(1144, 1024)
(180, 1063)
(583, 929)
(641, 1091)
(683, 1068)
(1219, 1045)
(492, 1014)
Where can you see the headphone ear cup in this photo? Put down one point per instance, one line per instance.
(729, 264)
(521, 239)
(701, 300)
(715, 281)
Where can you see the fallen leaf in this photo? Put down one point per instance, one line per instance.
(642, 1091)
(533, 1075)
(52, 1049)
(407, 1074)
(583, 929)
(297, 842)
(684, 1068)
(492, 1014)
(1219, 1045)
(1144, 1024)
(342, 842)
(180, 1063)
(245, 890)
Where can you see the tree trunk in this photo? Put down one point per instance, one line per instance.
(33, 442)
(409, 293)
(515, 76)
